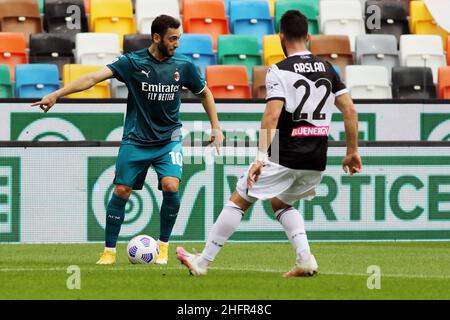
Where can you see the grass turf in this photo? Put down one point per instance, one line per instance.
(241, 271)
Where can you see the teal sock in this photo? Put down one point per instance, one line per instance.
(169, 213)
(115, 214)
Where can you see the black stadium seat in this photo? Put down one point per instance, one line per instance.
(53, 48)
(56, 18)
(413, 83)
(394, 18)
(133, 42)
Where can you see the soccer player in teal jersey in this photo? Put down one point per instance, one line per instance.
(152, 136)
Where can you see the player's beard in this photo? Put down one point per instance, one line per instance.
(164, 50)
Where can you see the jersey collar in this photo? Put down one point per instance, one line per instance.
(301, 53)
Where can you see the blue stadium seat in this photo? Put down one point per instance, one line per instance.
(198, 47)
(36, 80)
(251, 18)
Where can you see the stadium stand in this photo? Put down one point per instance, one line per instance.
(198, 47)
(20, 16)
(87, 6)
(251, 18)
(74, 71)
(362, 86)
(333, 48)
(228, 82)
(96, 48)
(133, 42)
(422, 21)
(310, 8)
(12, 50)
(6, 88)
(41, 6)
(36, 80)
(51, 48)
(239, 50)
(57, 20)
(377, 50)
(422, 51)
(444, 82)
(112, 16)
(147, 11)
(118, 89)
(272, 50)
(448, 50)
(413, 83)
(393, 18)
(259, 82)
(205, 16)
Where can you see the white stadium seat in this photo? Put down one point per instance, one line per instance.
(148, 10)
(97, 48)
(368, 82)
(422, 51)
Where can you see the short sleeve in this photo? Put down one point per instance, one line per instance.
(338, 87)
(192, 79)
(120, 68)
(274, 85)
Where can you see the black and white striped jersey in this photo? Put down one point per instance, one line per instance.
(308, 86)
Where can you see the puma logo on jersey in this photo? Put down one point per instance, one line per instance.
(146, 73)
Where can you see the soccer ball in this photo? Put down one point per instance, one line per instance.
(142, 249)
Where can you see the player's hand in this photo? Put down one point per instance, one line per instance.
(46, 102)
(352, 163)
(216, 139)
(254, 173)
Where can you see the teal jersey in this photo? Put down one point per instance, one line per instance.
(154, 87)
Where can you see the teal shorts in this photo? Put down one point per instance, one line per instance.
(133, 162)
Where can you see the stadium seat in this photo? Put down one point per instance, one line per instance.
(338, 71)
(422, 22)
(272, 7)
(422, 51)
(36, 80)
(41, 6)
(20, 16)
(251, 18)
(5, 82)
(112, 16)
(57, 20)
(205, 17)
(52, 48)
(362, 86)
(134, 42)
(96, 48)
(377, 50)
(198, 47)
(74, 71)
(334, 49)
(228, 82)
(309, 8)
(119, 89)
(413, 83)
(448, 50)
(272, 50)
(259, 82)
(12, 50)
(444, 82)
(394, 19)
(341, 17)
(147, 11)
(87, 6)
(239, 50)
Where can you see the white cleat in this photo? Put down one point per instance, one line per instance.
(306, 268)
(190, 261)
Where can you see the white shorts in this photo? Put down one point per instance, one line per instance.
(288, 185)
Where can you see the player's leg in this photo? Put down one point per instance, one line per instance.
(225, 225)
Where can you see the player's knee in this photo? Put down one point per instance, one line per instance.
(170, 185)
(123, 192)
(277, 204)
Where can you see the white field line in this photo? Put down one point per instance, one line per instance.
(131, 268)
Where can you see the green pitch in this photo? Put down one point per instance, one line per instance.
(241, 271)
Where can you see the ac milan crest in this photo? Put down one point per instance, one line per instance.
(176, 76)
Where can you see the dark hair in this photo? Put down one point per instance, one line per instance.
(162, 23)
(294, 25)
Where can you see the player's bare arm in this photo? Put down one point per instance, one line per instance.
(209, 105)
(82, 83)
(269, 124)
(352, 162)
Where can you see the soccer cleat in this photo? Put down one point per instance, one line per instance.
(303, 268)
(190, 261)
(107, 257)
(163, 255)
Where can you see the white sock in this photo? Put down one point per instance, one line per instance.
(294, 226)
(227, 222)
(110, 249)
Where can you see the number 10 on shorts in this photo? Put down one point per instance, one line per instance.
(177, 158)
